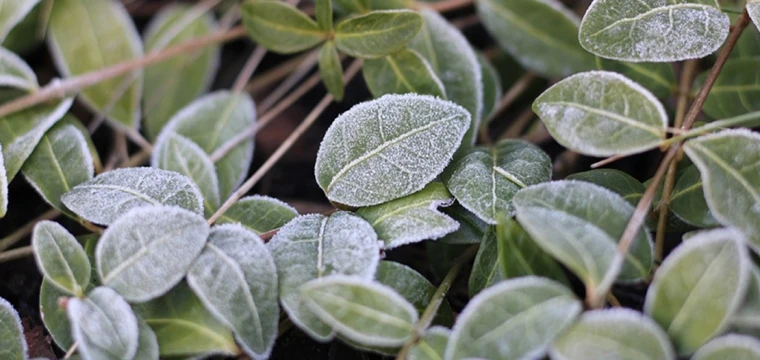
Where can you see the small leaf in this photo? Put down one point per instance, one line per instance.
(60, 258)
(681, 298)
(363, 311)
(659, 78)
(3, 185)
(13, 13)
(492, 89)
(471, 228)
(619, 182)
(600, 113)
(103, 325)
(621, 334)
(236, 279)
(110, 195)
(315, 246)
(14, 72)
(377, 33)
(432, 345)
(147, 344)
(354, 6)
(12, 342)
(653, 30)
(516, 319)
(519, 255)
(732, 346)
(484, 180)
(146, 252)
(486, 268)
(324, 14)
(688, 199)
(259, 214)
(402, 72)
(414, 287)
(331, 70)
(388, 148)
(413, 218)
(103, 30)
(280, 27)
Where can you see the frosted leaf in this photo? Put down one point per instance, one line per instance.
(414, 287)
(659, 78)
(3, 185)
(147, 345)
(516, 319)
(753, 8)
(471, 228)
(60, 258)
(144, 253)
(731, 346)
(413, 218)
(653, 30)
(12, 342)
(110, 195)
(431, 345)
(13, 13)
(484, 180)
(236, 279)
(103, 325)
(377, 33)
(388, 148)
(621, 334)
(315, 246)
(259, 214)
(363, 311)
(403, 72)
(14, 72)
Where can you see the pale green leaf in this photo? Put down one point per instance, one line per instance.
(60, 258)
(431, 345)
(388, 148)
(753, 8)
(331, 70)
(659, 78)
(601, 113)
(377, 33)
(13, 12)
(354, 6)
(747, 317)
(735, 91)
(14, 72)
(12, 342)
(18, 39)
(147, 344)
(619, 182)
(688, 199)
(519, 255)
(53, 316)
(324, 13)
(471, 228)
(69, 119)
(732, 346)
(3, 185)
(259, 214)
(486, 270)
(402, 72)
(103, 326)
(414, 287)
(280, 27)
(492, 89)
(391, 4)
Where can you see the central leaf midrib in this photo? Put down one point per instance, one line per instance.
(128, 262)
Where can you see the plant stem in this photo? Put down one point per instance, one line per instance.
(250, 67)
(518, 126)
(271, 76)
(25, 230)
(14, 254)
(71, 351)
(299, 73)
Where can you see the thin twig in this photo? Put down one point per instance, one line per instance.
(299, 73)
(250, 67)
(518, 126)
(514, 92)
(25, 230)
(71, 351)
(273, 75)
(14, 254)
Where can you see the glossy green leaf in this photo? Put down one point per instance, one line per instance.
(413, 218)
(486, 270)
(388, 148)
(619, 182)
(12, 342)
(331, 70)
(432, 345)
(688, 199)
(728, 164)
(103, 326)
(471, 228)
(13, 12)
(484, 180)
(520, 256)
(102, 30)
(324, 13)
(682, 295)
(377, 33)
(402, 72)
(147, 344)
(653, 30)
(14, 72)
(146, 252)
(492, 89)
(3, 185)
(542, 35)
(60, 258)
(516, 319)
(735, 91)
(621, 334)
(414, 287)
(601, 113)
(354, 6)
(659, 78)
(176, 82)
(280, 27)
(732, 346)
(259, 214)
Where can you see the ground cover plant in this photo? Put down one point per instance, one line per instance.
(512, 179)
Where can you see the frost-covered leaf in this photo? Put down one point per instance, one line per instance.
(486, 268)
(147, 344)
(541, 34)
(3, 185)
(600, 113)
(516, 319)
(315, 246)
(174, 83)
(621, 334)
(682, 297)
(732, 346)
(748, 315)
(377, 33)
(579, 224)
(492, 89)
(484, 180)
(659, 78)
(103, 326)
(363, 311)
(259, 214)
(280, 27)
(110, 195)
(728, 162)
(104, 31)
(14, 72)
(69, 119)
(471, 228)
(413, 218)
(432, 345)
(735, 91)
(618, 181)
(454, 61)
(60, 258)
(12, 342)
(331, 70)
(653, 30)
(236, 279)
(688, 199)
(146, 252)
(753, 8)
(519, 255)
(402, 72)
(414, 288)
(388, 148)
(13, 12)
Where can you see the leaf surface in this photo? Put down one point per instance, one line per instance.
(519, 255)
(414, 287)
(688, 199)
(732, 346)
(13, 13)
(103, 326)
(14, 72)
(259, 214)
(377, 33)
(331, 70)
(431, 345)
(12, 342)
(60, 258)
(492, 88)
(617, 181)
(280, 27)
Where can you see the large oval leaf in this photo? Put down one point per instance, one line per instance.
(734, 347)
(144, 253)
(682, 295)
(14, 72)
(388, 148)
(12, 342)
(377, 33)
(13, 13)
(414, 287)
(103, 326)
(601, 113)
(60, 258)
(280, 27)
(403, 72)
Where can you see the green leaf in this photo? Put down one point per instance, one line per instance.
(377, 33)
(110, 195)
(579, 224)
(103, 326)
(69, 119)
(53, 316)
(519, 255)
(146, 252)
(748, 315)
(3, 185)
(18, 39)
(363, 311)
(484, 180)
(601, 113)
(732, 346)
(621, 334)
(653, 30)
(454, 61)
(682, 295)
(735, 91)
(516, 319)
(14, 72)
(236, 279)
(315, 246)
(184, 327)
(659, 78)
(331, 70)
(492, 89)
(402, 72)
(354, 6)
(147, 344)
(324, 14)
(12, 342)
(688, 199)
(728, 164)
(60, 258)
(280, 27)
(13, 12)
(471, 228)
(431, 345)
(259, 214)
(391, 4)
(619, 182)
(414, 287)
(486, 269)
(103, 30)
(388, 148)
(542, 35)
(176, 82)
(753, 8)
(413, 218)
